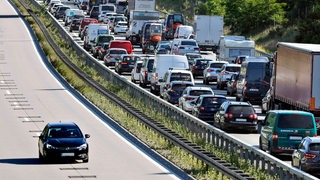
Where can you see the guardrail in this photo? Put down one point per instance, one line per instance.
(212, 135)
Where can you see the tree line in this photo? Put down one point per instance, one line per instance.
(247, 16)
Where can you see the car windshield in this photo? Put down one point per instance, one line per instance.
(202, 62)
(64, 132)
(236, 109)
(232, 69)
(216, 65)
(295, 121)
(207, 101)
(314, 147)
(199, 92)
(180, 77)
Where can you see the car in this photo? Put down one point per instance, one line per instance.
(190, 94)
(208, 55)
(114, 20)
(120, 27)
(198, 66)
(266, 102)
(59, 12)
(126, 63)
(210, 73)
(136, 71)
(94, 12)
(99, 41)
(225, 74)
(306, 156)
(232, 84)
(63, 140)
(54, 7)
(175, 75)
(191, 57)
(240, 59)
(103, 51)
(163, 47)
(183, 46)
(146, 70)
(233, 115)
(174, 91)
(113, 55)
(85, 22)
(283, 130)
(74, 25)
(206, 106)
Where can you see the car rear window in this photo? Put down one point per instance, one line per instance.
(199, 92)
(202, 62)
(295, 121)
(216, 65)
(180, 77)
(213, 100)
(240, 109)
(233, 69)
(118, 52)
(314, 147)
(191, 43)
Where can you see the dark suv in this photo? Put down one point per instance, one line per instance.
(236, 115)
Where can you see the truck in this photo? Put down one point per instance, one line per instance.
(208, 30)
(230, 47)
(295, 82)
(146, 5)
(136, 21)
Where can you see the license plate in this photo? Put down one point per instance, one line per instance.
(241, 120)
(67, 154)
(295, 138)
(255, 90)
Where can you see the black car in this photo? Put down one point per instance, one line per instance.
(59, 13)
(198, 66)
(126, 63)
(74, 25)
(63, 141)
(174, 91)
(206, 106)
(94, 12)
(236, 115)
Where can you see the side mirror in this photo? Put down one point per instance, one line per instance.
(41, 136)
(87, 136)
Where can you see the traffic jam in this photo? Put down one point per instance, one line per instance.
(215, 77)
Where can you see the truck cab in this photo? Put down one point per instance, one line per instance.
(171, 22)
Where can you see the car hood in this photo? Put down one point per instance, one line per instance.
(65, 142)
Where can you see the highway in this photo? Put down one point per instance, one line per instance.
(32, 95)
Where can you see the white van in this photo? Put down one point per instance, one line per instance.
(183, 32)
(93, 31)
(162, 63)
(69, 13)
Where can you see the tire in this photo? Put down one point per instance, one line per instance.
(86, 160)
(260, 144)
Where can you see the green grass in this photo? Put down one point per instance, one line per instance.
(178, 156)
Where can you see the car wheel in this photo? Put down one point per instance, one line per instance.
(86, 160)
(260, 144)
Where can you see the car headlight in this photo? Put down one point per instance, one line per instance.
(83, 147)
(49, 146)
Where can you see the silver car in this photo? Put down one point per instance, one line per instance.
(225, 74)
(184, 46)
(113, 55)
(210, 73)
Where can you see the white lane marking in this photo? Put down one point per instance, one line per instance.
(8, 92)
(2, 82)
(26, 119)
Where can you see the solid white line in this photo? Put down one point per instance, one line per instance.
(8, 92)
(26, 119)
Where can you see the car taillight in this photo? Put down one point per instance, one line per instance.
(245, 87)
(201, 108)
(228, 115)
(167, 85)
(172, 91)
(189, 99)
(225, 72)
(309, 156)
(275, 136)
(234, 84)
(253, 116)
(124, 63)
(197, 49)
(146, 73)
(156, 76)
(97, 48)
(210, 70)
(110, 56)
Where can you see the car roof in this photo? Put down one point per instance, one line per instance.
(117, 49)
(202, 59)
(62, 124)
(124, 55)
(233, 65)
(199, 88)
(179, 70)
(181, 82)
(238, 103)
(211, 95)
(290, 112)
(213, 62)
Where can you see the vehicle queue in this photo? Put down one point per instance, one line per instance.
(248, 80)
